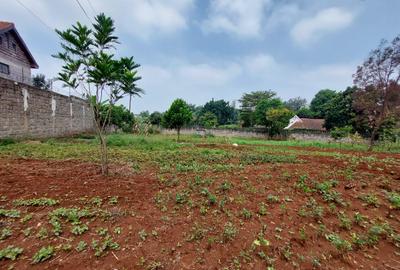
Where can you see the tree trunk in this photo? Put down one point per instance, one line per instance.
(104, 154)
(372, 139)
(130, 102)
(179, 131)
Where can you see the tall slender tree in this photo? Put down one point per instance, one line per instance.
(89, 66)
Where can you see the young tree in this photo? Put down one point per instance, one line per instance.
(378, 86)
(90, 67)
(248, 104)
(177, 115)
(320, 102)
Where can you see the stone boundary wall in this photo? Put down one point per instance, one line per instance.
(302, 136)
(30, 112)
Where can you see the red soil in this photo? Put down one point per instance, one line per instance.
(68, 181)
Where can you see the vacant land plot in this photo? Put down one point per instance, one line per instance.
(201, 204)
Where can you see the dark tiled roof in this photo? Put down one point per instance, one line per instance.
(310, 124)
(8, 26)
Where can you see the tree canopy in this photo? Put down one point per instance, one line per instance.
(248, 104)
(320, 102)
(178, 115)
(222, 110)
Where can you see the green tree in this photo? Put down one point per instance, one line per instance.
(222, 110)
(178, 115)
(40, 81)
(208, 120)
(262, 107)
(278, 119)
(155, 118)
(119, 116)
(305, 113)
(339, 111)
(248, 104)
(89, 65)
(320, 102)
(296, 104)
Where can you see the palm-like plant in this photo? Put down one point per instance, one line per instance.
(90, 67)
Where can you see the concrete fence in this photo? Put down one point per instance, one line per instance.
(304, 136)
(29, 112)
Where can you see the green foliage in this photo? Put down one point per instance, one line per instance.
(43, 254)
(320, 102)
(156, 118)
(10, 252)
(229, 232)
(277, 119)
(262, 107)
(106, 244)
(248, 103)
(224, 113)
(82, 245)
(339, 110)
(208, 120)
(5, 233)
(12, 213)
(394, 199)
(35, 202)
(79, 229)
(370, 199)
(178, 115)
(305, 113)
(341, 132)
(89, 65)
(6, 141)
(341, 245)
(117, 115)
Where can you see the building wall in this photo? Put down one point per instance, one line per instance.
(29, 112)
(16, 59)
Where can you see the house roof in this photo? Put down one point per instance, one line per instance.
(10, 27)
(306, 123)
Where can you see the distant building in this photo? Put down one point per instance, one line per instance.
(306, 124)
(16, 60)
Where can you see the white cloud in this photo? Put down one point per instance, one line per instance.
(243, 18)
(141, 18)
(199, 82)
(148, 18)
(327, 20)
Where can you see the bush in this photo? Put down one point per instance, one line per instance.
(6, 141)
(341, 132)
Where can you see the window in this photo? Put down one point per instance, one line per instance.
(1, 41)
(4, 68)
(14, 46)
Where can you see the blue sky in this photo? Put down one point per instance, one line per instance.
(201, 49)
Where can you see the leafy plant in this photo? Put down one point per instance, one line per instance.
(370, 199)
(5, 233)
(43, 254)
(35, 202)
(340, 244)
(10, 252)
(394, 199)
(82, 245)
(229, 232)
(12, 213)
